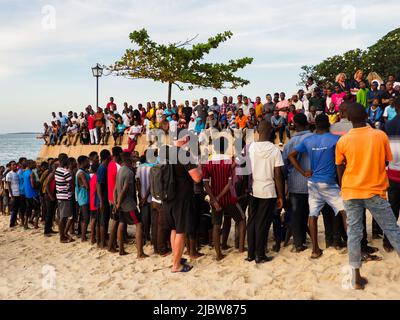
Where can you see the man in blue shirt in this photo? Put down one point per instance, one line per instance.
(22, 208)
(322, 183)
(63, 119)
(297, 184)
(31, 195)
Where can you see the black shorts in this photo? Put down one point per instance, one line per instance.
(174, 215)
(193, 218)
(129, 218)
(85, 213)
(104, 215)
(22, 205)
(32, 205)
(233, 210)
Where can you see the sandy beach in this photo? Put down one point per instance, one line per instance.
(84, 272)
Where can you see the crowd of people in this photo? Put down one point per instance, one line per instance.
(341, 158)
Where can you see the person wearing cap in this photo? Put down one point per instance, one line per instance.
(175, 212)
(374, 93)
(212, 122)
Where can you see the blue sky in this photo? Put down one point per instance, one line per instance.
(46, 67)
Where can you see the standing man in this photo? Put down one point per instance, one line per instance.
(174, 212)
(13, 189)
(112, 170)
(322, 184)
(364, 183)
(64, 186)
(216, 175)
(82, 180)
(297, 183)
(126, 212)
(102, 193)
(392, 129)
(267, 191)
(268, 108)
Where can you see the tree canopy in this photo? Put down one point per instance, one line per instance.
(382, 57)
(178, 65)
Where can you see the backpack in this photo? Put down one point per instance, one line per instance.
(162, 182)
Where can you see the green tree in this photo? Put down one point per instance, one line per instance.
(175, 64)
(381, 57)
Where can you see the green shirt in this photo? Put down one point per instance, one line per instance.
(362, 97)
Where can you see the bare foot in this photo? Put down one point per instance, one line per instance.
(220, 257)
(196, 256)
(361, 285)
(316, 255)
(142, 256)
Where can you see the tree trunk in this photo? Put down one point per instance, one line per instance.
(169, 91)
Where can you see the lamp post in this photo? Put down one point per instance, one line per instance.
(97, 73)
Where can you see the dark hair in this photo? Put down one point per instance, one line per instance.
(322, 122)
(105, 154)
(82, 159)
(92, 154)
(63, 158)
(116, 151)
(21, 160)
(126, 158)
(356, 112)
(94, 168)
(300, 119)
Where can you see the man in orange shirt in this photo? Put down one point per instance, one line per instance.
(361, 159)
(241, 119)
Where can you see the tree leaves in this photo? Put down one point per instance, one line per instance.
(176, 64)
(382, 57)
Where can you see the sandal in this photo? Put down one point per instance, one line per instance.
(370, 257)
(186, 268)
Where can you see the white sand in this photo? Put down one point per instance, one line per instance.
(84, 272)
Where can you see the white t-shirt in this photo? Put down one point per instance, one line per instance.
(126, 120)
(298, 105)
(173, 126)
(135, 131)
(264, 158)
(13, 178)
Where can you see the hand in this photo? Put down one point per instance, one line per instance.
(117, 207)
(308, 173)
(279, 203)
(217, 206)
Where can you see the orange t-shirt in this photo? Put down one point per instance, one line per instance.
(241, 123)
(365, 152)
(259, 110)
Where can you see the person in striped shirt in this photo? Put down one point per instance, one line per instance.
(64, 195)
(216, 175)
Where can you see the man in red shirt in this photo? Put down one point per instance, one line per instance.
(112, 171)
(111, 105)
(216, 177)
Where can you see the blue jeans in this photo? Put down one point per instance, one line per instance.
(383, 214)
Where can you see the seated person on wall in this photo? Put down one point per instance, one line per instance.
(72, 134)
(119, 134)
(134, 132)
(53, 135)
(279, 125)
(84, 134)
(61, 131)
(375, 115)
(47, 132)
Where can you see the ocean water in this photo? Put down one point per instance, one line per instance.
(14, 146)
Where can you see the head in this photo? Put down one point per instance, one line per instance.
(13, 166)
(300, 122)
(83, 162)
(230, 100)
(53, 114)
(245, 100)
(105, 156)
(310, 81)
(322, 124)
(258, 100)
(282, 96)
(341, 77)
(63, 158)
(206, 102)
(94, 158)
(252, 111)
(363, 85)
(225, 99)
(358, 75)
(276, 113)
(313, 110)
(239, 98)
(295, 98)
(329, 92)
(264, 130)
(215, 100)
(116, 153)
(269, 98)
(356, 114)
(375, 103)
(240, 112)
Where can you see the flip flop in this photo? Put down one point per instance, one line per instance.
(186, 268)
(370, 257)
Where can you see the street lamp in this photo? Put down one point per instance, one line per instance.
(97, 73)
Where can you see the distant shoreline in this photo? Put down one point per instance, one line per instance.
(20, 133)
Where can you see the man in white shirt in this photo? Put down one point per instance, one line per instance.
(266, 163)
(12, 182)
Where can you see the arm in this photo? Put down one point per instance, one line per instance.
(213, 199)
(122, 194)
(225, 190)
(293, 159)
(82, 181)
(9, 188)
(100, 195)
(196, 174)
(280, 186)
(340, 171)
(48, 192)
